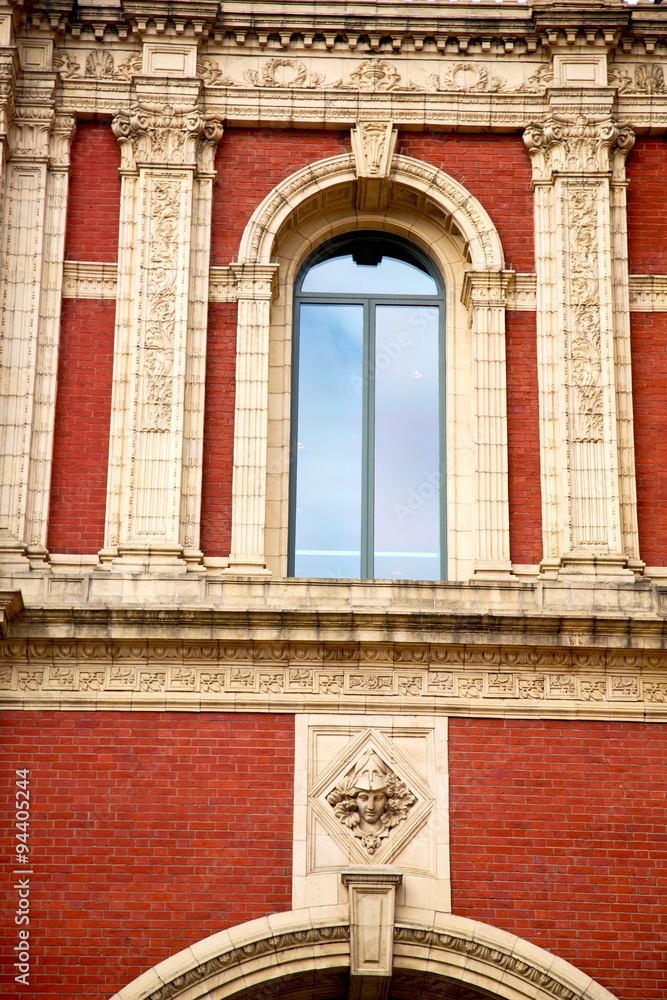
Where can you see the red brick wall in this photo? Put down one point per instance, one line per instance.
(148, 832)
(523, 438)
(557, 835)
(649, 389)
(81, 441)
(250, 162)
(94, 195)
(647, 210)
(218, 461)
(496, 170)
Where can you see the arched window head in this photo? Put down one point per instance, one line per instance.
(367, 484)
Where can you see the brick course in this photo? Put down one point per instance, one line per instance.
(496, 170)
(558, 836)
(523, 438)
(648, 335)
(218, 451)
(148, 832)
(647, 218)
(93, 207)
(83, 414)
(260, 158)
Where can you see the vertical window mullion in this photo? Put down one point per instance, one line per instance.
(368, 455)
(443, 441)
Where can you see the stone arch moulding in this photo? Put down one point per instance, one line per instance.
(257, 958)
(484, 294)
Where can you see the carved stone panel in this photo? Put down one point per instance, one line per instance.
(373, 792)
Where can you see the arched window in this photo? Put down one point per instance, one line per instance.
(367, 485)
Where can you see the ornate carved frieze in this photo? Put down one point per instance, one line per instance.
(456, 680)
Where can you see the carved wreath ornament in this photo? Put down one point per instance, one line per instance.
(370, 800)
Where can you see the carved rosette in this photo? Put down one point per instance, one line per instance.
(163, 135)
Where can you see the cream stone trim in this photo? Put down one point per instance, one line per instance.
(452, 198)
(648, 293)
(414, 749)
(589, 518)
(48, 341)
(272, 949)
(485, 295)
(315, 204)
(256, 285)
(84, 280)
(522, 293)
(31, 278)
(255, 674)
(154, 481)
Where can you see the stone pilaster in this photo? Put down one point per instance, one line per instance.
(24, 361)
(155, 454)
(485, 295)
(587, 470)
(48, 340)
(256, 288)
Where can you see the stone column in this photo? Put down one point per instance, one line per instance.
(48, 340)
(155, 453)
(256, 287)
(24, 214)
(583, 391)
(485, 295)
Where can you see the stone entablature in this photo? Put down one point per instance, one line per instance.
(429, 650)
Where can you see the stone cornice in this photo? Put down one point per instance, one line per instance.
(365, 22)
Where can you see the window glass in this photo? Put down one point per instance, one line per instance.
(389, 277)
(366, 489)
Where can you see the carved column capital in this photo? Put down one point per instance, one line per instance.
(576, 144)
(30, 132)
(64, 130)
(486, 288)
(165, 135)
(255, 281)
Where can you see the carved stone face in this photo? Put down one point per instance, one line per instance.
(371, 806)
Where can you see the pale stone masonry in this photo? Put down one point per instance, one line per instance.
(372, 669)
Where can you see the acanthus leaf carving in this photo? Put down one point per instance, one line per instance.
(585, 349)
(575, 143)
(158, 135)
(162, 266)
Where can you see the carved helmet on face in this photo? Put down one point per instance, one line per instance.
(371, 774)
